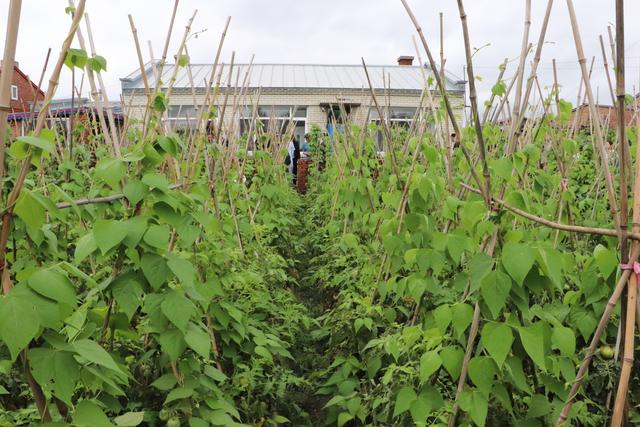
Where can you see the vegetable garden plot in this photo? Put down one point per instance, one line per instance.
(152, 277)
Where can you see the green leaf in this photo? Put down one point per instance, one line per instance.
(517, 259)
(155, 269)
(76, 58)
(343, 418)
(18, 321)
(111, 171)
(421, 407)
(92, 352)
(129, 419)
(452, 360)
(430, 362)
(479, 266)
(499, 89)
(53, 285)
(533, 342)
(135, 191)
(169, 144)
(482, 371)
(32, 213)
(98, 63)
(172, 343)
(178, 393)
(563, 339)
(495, 290)
(154, 180)
(182, 268)
(263, 352)
(462, 316)
(165, 382)
(35, 141)
(56, 371)
(476, 404)
(565, 111)
(158, 236)
(406, 396)
(127, 291)
(88, 414)
(497, 339)
(178, 309)
(539, 406)
(160, 103)
(606, 260)
(85, 246)
(109, 233)
(198, 340)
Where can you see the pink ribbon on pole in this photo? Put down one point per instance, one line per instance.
(635, 267)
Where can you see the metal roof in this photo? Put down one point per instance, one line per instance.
(295, 76)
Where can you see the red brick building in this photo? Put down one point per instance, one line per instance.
(23, 95)
(24, 92)
(608, 116)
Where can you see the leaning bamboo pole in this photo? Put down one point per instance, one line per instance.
(599, 138)
(473, 98)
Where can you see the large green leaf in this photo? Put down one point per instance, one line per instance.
(178, 309)
(476, 404)
(452, 360)
(35, 141)
(564, 340)
(18, 321)
(172, 343)
(406, 396)
(54, 285)
(111, 171)
(462, 316)
(430, 362)
(497, 339)
(482, 371)
(89, 414)
(157, 236)
(182, 268)
(606, 260)
(55, 370)
(517, 259)
(129, 419)
(198, 340)
(155, 269)
(495, 290)
(109, 233)
(92, 352)
(31, 211)
(534, 343)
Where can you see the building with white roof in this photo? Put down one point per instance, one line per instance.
(308, 94)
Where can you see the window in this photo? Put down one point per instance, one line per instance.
(182, 116)
(398, 117)
(14, 92)
(273, 119)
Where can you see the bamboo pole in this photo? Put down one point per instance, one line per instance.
(474, 104)
(11, 40)
(604, 158)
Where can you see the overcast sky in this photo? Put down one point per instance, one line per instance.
(330, 31)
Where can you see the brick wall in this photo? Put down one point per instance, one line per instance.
(26, 92)
(303, 175)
